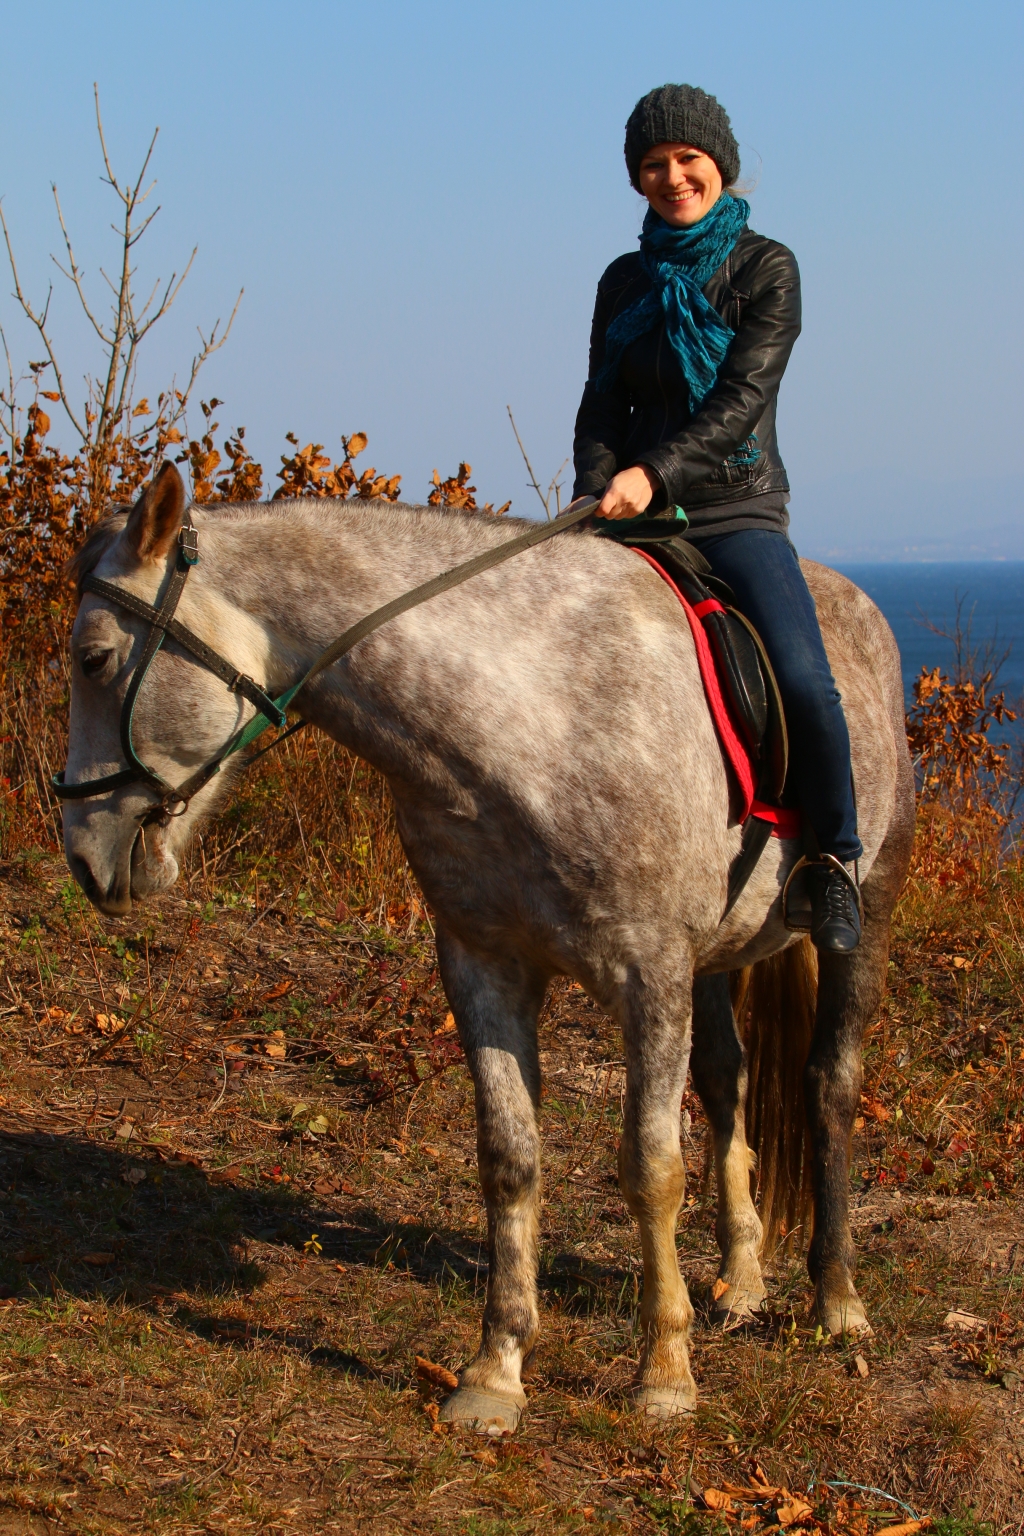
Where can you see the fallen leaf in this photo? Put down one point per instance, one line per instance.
(327, 1186)
(876, 1110)
(755, 1491)
(719, 1288)
(905, 1528)
(431, 1410)
(861, 1365)
(280, 990)
(448, 1025)
(408, 1221)
(124, 1130)
(231, 1330)
(789, 1514)
(134, 1175)
(318, 1126)
(97, 1260)
(54, 1015)
(714, 1498)
(435, 1375)
(428, 1150)
(29, 1257)
(963, 1321)
(226, 1175)
(278, 1052)
(486, 1458)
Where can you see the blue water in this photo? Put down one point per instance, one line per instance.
(914, 596)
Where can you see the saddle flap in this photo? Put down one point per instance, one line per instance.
(741, 661)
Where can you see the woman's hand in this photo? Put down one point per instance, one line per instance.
(629, 493)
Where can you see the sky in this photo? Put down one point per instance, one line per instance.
(419, 198)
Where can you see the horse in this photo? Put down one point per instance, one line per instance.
(564, 803)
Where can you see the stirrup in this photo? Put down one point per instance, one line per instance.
(840, 868)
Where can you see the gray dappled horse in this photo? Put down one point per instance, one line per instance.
(564, 804)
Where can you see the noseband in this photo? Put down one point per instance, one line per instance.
(173, 799)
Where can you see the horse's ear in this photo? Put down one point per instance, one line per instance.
(153, 522)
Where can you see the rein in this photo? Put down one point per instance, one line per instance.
(268, 711)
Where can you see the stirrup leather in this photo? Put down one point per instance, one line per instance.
(840, 869)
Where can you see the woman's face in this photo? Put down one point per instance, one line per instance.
(680, 182)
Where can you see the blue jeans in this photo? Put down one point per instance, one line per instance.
(762, 569)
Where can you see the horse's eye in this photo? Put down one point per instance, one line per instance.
(93, 662)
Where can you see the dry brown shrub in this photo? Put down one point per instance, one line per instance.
(457, 492)
(966, 787)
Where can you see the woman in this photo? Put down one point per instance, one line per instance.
(690, 340)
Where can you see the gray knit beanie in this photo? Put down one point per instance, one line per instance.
(681, 114)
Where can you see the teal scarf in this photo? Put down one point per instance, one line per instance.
(679, 262)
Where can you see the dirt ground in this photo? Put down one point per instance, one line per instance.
(238, 1199)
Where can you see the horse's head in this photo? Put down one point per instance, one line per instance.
(123, 843)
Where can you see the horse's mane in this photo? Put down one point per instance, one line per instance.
(388, 515)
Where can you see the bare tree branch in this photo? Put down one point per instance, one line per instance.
(108, 415)
(74, 276)
(39, 321)
(529, 466)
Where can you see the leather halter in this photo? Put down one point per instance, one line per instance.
(268, 711)
(163, 623)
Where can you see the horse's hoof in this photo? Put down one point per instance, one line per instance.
(845, 1318)
(488, 1413)
(666, 1402)
(738, 1305)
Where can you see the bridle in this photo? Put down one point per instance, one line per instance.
(173, 800)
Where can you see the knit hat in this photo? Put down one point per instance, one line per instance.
(681, 114)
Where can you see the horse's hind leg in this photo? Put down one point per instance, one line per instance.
(656, 1037)
(719, 1066)
(496, 1003)
(849, 989)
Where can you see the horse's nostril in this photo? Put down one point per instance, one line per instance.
(113, 900)
(85, 878)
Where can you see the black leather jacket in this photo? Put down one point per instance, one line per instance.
(645, 418)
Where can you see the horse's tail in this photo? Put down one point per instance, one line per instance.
(775, 1004)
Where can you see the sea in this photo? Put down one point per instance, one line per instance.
(927, 603)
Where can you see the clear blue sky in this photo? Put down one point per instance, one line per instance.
(419, 199)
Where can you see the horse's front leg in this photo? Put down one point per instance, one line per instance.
(719, 1066)
(656, 1037)
(496, 1003)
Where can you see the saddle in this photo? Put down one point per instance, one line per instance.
(748, 686)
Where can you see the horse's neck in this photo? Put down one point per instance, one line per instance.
(298, 582)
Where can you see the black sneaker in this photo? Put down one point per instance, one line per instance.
(835, 914)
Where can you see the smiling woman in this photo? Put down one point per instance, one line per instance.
(690, 341)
